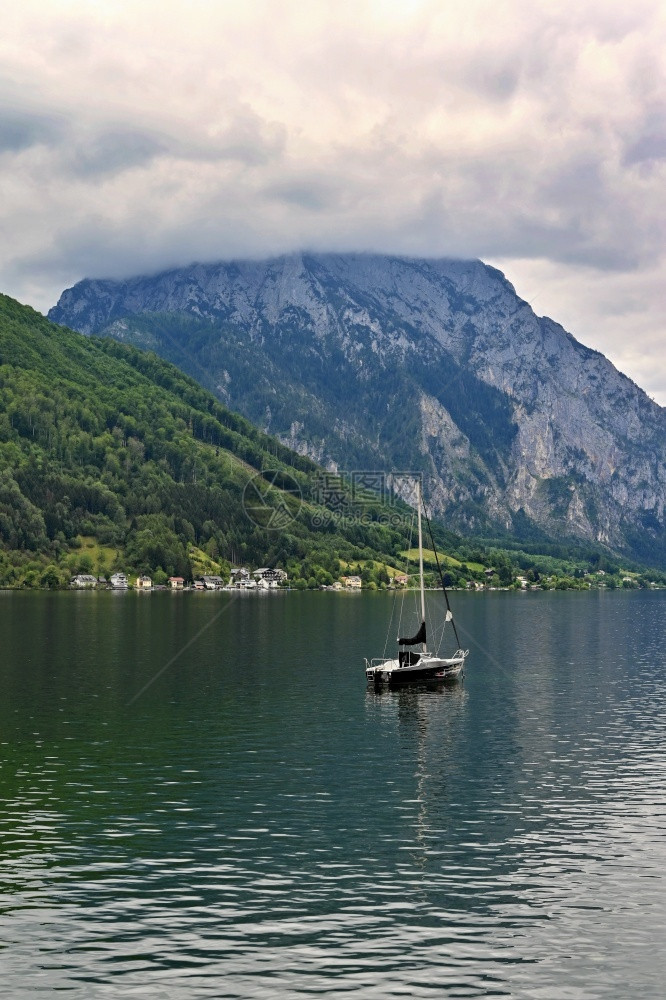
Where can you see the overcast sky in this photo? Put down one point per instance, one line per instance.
(136, 136)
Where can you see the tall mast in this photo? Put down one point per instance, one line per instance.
(418, 507)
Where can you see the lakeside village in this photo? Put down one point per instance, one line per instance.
(267, 579)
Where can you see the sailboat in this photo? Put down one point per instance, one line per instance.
(409, 665)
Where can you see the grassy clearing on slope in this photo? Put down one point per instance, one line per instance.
(346, 567)
(430, 561)
(103, 558)
(205, 565)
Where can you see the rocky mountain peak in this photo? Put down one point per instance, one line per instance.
(393, 363)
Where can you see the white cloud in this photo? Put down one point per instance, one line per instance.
(138, 136)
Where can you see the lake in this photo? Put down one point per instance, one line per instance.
(200, 798)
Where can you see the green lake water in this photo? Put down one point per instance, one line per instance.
(200, 798)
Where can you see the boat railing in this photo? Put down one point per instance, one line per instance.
(376, 661)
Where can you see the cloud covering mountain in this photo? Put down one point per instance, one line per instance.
(139, 137)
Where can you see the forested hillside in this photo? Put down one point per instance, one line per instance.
(112, 458)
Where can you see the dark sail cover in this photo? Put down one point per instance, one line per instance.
(419, 637)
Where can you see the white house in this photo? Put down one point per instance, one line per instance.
(275, 576)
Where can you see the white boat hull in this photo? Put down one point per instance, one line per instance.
(428, 667)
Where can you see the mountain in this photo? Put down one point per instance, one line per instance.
(376, 362)
(113, 458)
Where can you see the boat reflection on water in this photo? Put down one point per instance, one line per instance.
(419, 700)
(428, 722)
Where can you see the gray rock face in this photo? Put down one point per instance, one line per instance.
(365, 361)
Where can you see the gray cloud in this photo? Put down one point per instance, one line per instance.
(97, 149)
(310, 192)
(249, 140)
(535, 136)
(113, 151)
(20, 130)
(650, 141)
